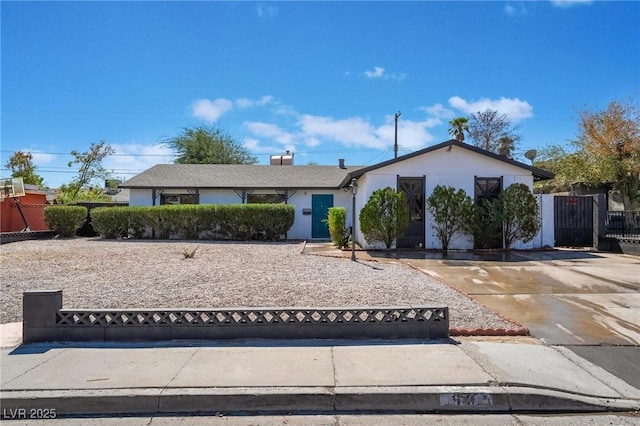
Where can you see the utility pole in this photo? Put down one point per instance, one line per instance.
(395, 144)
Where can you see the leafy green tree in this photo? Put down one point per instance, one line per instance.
(487, 127)
(457, 127)
(21, 166)
(451, 211)
(517, 209)
(610, 140)
(90, 169)
(385, 217)
(208, 145)
(606, 152)
(570, 169)
(68, 195)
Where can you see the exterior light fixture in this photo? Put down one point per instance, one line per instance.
(354, 190)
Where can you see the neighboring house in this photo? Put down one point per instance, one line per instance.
(32, 204)
(313, 189)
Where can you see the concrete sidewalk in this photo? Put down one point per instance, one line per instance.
(508, 375)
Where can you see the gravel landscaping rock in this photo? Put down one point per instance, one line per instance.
(105, 274)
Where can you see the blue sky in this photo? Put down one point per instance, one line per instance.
(321, 79)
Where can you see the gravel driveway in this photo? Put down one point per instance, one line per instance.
(101, 274)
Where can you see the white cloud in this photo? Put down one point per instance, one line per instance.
(285, 110)
(515, 9)
(351, 131)
(438, 111)
(254, 146)
(246, 102)
(39, 157)
(266, 10)
(312, 142)
(379, 72)
(134, 158)
(376, 73)
(356, 131)
(514, 108)
(210, 111)
(271, 131)
(569, 3)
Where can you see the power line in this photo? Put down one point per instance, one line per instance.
(335, 151)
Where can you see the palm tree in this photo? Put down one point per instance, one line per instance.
(458, 127)
(507, 145)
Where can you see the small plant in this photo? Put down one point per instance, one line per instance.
(336, 220)
(189, 254)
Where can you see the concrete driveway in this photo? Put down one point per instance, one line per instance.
(565, 297)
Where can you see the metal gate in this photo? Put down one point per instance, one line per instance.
(573, 223)
(413, 189)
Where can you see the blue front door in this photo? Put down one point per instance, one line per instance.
(320, 205)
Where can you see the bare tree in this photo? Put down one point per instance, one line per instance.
(486, 128)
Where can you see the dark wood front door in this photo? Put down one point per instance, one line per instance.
(413, 189)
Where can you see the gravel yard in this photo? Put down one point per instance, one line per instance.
(100, 274)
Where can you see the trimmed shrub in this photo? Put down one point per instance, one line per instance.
(518, 213)
(451, 211)
(137, 221)
(160, 219)
(236, 220)
(65, 220)
(185, 220)
(337, 222)
(190, 221)
(512, 216)
(385, 217)
(274, 220)
(111, 222)
(484, 225)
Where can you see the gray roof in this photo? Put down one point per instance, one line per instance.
(250, 176)
(219, 176)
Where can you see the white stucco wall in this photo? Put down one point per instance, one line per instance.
(140, 197)
(301, 229)
(455, 167)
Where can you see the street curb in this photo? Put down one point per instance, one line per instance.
(304, 400)
(500, 332)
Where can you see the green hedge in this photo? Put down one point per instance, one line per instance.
(65, 220)
(189, 221)
(110, 222)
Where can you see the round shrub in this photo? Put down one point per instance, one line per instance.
(65, 220)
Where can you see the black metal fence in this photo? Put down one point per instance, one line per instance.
(573, 221)
(623, 223)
